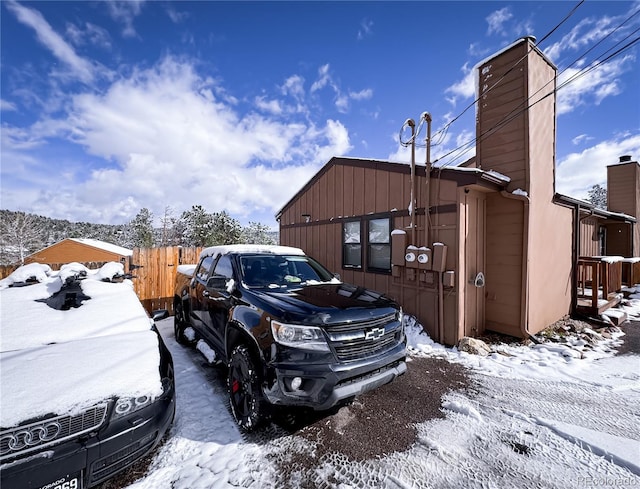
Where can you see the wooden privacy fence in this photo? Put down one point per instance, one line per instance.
(6, 270)
(154, 271)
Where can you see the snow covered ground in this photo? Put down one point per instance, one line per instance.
(533, 417)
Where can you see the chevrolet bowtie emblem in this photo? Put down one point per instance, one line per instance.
(374, 334)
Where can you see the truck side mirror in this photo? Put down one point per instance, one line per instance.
(159, 314)
(217, 282)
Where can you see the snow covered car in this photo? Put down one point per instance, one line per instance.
(87, 384)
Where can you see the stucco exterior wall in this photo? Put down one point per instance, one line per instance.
(529, 244)
(550, 226)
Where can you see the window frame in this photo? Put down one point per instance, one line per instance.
(346, 266)
(386, 244)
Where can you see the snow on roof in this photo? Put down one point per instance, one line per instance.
(520, 40)
(588, 206)
(54, 361)
(250, 248)
(103, 245)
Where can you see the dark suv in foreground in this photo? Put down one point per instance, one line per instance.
(289, 331)
(87, 382)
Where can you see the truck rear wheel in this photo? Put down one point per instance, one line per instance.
(179, 323)
(245, 395)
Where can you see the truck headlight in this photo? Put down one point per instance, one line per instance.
(296, 336)
(400, 317)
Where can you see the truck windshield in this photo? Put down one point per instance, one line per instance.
(277, 271)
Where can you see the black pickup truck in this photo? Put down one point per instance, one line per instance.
(290, 333)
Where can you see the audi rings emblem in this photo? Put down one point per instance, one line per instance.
(30, 437)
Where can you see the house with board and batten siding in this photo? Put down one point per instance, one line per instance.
(488, 245)
(82, 250)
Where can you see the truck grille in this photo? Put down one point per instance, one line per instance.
(35, 436)
(353, 341)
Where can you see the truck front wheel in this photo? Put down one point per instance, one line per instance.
(245, 395)
(179, 323)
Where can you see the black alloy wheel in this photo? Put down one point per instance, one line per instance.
(245, 395)
(179, 323)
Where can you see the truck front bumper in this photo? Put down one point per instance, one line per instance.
(322, 386)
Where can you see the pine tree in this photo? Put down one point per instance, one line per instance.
(225, 230)
(598, 196)
(142, 229)
(198, 225)
(256, 233)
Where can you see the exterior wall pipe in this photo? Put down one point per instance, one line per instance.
(575, 252)
(427, 217)
(440, 309)
(412, 211)
(524, 308)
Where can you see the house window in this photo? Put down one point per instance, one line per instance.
(351, 245)
(379, 245)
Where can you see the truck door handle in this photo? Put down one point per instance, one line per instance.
(205, 293)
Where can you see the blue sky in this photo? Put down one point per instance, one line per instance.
(108, 107)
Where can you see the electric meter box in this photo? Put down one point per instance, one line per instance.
(439, 257)
(411, 257)
(398, 246)
(424, 258)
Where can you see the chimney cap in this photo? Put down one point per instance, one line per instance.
(625, 158)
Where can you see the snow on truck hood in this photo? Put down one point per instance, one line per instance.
(59, 362)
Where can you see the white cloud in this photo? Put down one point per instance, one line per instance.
(176, 16)
(90, 33)
(124, 12)
(476, 51)
(593, 87)
(342, 103)
(294, 87)
(465, 88)
(271, 106)
(80, 67)
(497, 19)
(365, 94)
(584, 34)
(324, 78)
(580, 139)
(8, 106)
(165, 138)
(578, 172)
(366, 29)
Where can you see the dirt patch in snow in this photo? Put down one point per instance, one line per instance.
(631, 338)
(377, 423)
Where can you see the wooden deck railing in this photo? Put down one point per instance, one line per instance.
(604, 279)
(631, 271)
